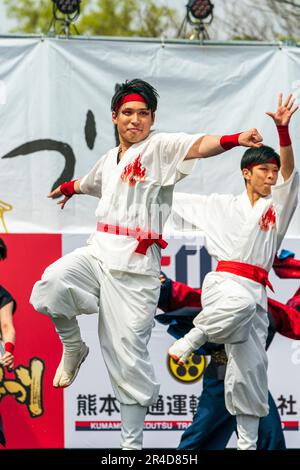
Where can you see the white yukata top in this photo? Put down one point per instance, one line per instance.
(236, 231)
(137, 192)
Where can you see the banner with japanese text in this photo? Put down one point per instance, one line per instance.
(92, 417)
(55, 118)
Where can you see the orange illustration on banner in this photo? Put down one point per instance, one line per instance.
(4, 207)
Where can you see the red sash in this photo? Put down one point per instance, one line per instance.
(255, 273)
(145, 239)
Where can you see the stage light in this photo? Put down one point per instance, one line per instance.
(200, 9)
(67, 7)
(65, 13)
(196, 12)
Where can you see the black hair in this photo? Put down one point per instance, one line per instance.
(3, 249)
(259, 155)
(136, 86)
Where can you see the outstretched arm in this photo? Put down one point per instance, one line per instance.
(210, 145)
(89, 184)
(8, 334)
(67, 189)
(282, 119)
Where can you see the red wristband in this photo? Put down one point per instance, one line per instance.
(230, 141)
(9, 347)
(67, 188)
(284, 136)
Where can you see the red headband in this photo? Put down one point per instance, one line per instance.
(127, 98)
(273, 161)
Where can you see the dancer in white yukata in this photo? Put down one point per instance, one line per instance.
(243, 233)
(117, 274)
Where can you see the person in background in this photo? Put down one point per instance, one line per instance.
(7, 330)
(212, 424)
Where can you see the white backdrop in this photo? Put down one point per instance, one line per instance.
(48, 86)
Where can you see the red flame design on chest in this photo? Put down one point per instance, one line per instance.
(268, 220)
(134, 172)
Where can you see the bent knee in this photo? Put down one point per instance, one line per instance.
(247, 303)
(45, 291)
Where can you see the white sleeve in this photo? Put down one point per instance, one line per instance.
(285, 200)
(91, 183)
(199, 212)
(186, 211)
(172, 152)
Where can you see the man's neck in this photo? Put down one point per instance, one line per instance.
(253, 197)
(123, 147)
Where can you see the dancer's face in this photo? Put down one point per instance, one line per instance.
(261, 178)
(133, 122)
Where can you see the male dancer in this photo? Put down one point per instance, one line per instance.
(212, 424)
(117, 273)
(244, 233)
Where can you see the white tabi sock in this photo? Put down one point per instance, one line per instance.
(68, 332)
(133, 417)
(75, 351)
(247, 429)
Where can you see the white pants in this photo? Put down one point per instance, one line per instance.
(126, 302)
(231, 316)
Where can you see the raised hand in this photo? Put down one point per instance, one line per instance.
(251, 138)
(57, 193)
(7, 360)
(285, 111)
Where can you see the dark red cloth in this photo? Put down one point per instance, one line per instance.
(145, 239)
(286, 318)
(255, 273)
(184, 296)
(288, 268)
(294, 302)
